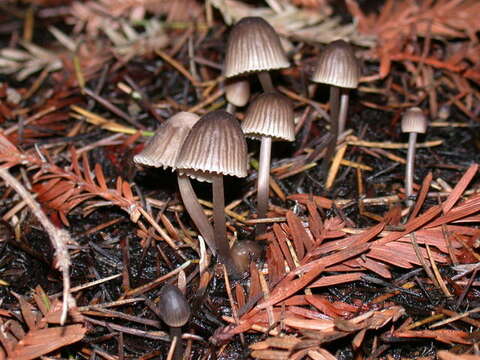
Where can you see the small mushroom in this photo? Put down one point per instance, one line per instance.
(237, 92)
(162, 151)
(174, 311)
(337, 67)
(216, 147)
(254, 46)
(269, 117)
(413, 122)
(243, 253)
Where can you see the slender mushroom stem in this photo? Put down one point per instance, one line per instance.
(220, 227)
(195, 211)
(266, 81)
(412, 140)
(342, 116)
(263, 180)
(334, 100)
(177, 332)
(231, 108)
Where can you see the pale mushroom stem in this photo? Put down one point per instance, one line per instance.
(263, 180)
(266, 81)
(178, 352)
(342, 116)
(412, 140)
(195, 211)
(334, 100)
(231, 108)
(220, 226)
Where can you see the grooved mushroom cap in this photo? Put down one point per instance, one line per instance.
(237, 91)
(215, 145)
(253, 45)
(337, 66)
(414, 120)
(271, 114)
(163, 148)
(173, 306)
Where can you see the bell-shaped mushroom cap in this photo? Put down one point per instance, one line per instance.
(173, 307)
(215, 145)
(414, 120)
(253, 45)
(237, 91)
(163, 148)
(337, 66)
(271, 114)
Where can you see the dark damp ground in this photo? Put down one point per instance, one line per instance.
(26, 260)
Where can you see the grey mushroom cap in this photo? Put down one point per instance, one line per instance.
(414, 120)
(215, 145)
(237, 91)
(337, 66)
(163, 148)
(174, 308)
(271, 114)
(253, 45)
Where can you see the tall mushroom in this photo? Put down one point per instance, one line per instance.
(216, 147)
(269, 117)
(162, 151)
(254, 46)
(413, 122)
(338, 67)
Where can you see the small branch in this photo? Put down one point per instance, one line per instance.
(60, 238)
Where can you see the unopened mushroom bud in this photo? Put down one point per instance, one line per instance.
(175, 312)
(244, 252)
(237, 92)
(413, 122)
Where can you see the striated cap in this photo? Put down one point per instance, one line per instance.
(237, 91)
(414, 120)
(173, 307)
(337, 66)
(163, 148)
(253, 45)
(215, 145)
(271, 114)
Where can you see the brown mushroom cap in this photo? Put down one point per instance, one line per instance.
(414, 120)
(253, 45)
(215, 145)
(337, 66)
(271, 114)
(163, 148)
(237, 91)
(173, 306)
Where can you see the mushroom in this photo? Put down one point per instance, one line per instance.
(216, 147)
(269, 117)
(237, 92)
(254, 46)
(174, 311)
(162, 151)
(413, 122)
(337, 67)
(243, 252)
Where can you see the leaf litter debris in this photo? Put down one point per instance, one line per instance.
(295, 302)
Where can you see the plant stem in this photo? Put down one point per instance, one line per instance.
(342, 116)
(231, 108)
(195, 211)
(177, 332)
(220, 227)
(412, 140)
(266, 81)
(263, 181)
(334, 100)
